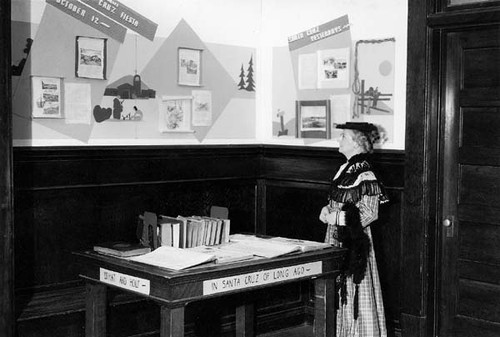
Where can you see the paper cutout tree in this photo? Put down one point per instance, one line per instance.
(250, 83)
(242, 83)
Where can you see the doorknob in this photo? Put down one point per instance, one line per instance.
(448, 225)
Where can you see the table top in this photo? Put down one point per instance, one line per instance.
(177, 287)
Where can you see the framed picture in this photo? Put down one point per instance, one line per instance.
(46, 96)
(91, 57)
(313, 119)
(189, 67)
(175, 114)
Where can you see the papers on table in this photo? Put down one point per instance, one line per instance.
(272, 246)
(239, 248)
(174, 258)
(224, 253)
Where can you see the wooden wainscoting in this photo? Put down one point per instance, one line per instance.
(296, 184)
(68, 199)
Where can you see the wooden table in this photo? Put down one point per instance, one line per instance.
(174, 289)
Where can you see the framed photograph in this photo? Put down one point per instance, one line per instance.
(333, 68)
(189, 67)
(175, 114)
(46, 96)
(313, 119)
(91, 57)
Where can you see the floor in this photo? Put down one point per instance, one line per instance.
(302, 331)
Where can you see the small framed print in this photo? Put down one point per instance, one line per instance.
(175, 114)
(189, 67)
(313, 119)
(91, 57)
(46, 96)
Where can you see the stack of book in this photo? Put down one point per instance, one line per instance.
(192, 231)
(121, 249)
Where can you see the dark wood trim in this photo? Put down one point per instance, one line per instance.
(464, 18)
(418, 168)
(6, 191)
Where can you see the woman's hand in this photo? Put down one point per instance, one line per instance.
(332, 218)
(325, 211)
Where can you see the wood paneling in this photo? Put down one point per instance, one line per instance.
(488, 251)
(419, 172)
(479, 185)
(6, 181)
(96, 195)
(479, 300)
(295, 195)
(477, 68)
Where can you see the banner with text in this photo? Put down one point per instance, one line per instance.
(317, 33)
(124, 16)
(90, 17)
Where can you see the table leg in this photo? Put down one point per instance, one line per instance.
(95, 310)
(324, 307)
(172, 322)
(245, 316)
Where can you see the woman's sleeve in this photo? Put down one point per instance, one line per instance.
(368, 209)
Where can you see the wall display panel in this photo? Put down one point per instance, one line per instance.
(118, 68)
(351, 53)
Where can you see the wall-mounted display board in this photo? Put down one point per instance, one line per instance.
(354, 57)
(116, 61)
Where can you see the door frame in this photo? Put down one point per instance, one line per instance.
(7, 320)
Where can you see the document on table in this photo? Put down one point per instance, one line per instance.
(173, 258)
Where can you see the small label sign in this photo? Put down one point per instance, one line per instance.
(124, 281)
(258, 278)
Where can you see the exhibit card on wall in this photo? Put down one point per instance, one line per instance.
(91, 57)
(77, 103)
(333, 68)
(202, 108)
(175, 114)
(46, 97)
(307, 71)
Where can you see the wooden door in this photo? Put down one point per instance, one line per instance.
(470, 160)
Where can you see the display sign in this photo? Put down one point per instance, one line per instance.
(124, 281)
(243, 281)
(124, 16)
(90, 17)
(318, 33)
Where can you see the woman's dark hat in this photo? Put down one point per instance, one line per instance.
(359, 126)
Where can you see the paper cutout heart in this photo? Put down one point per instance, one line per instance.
(101, 114)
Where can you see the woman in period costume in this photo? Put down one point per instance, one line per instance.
(354, 198)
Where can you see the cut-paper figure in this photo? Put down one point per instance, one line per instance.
(117, 108)
(283, 131)
(17, 70)
(102, 114)
(137, 114)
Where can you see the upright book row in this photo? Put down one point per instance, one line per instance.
(192, 231)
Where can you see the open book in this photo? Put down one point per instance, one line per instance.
(273, 246)
(224, 253)
(174, 258)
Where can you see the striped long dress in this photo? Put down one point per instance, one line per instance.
(371, 318)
